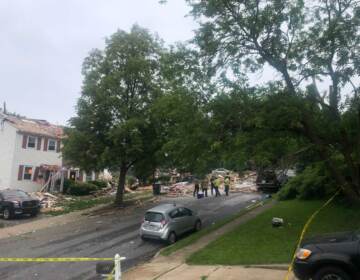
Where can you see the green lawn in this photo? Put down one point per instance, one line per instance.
(257, 242)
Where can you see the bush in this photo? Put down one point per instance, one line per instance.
(130, 180)
(289, 191)
(80, 188)
(99, 184)
(313, 183)
(67, 184)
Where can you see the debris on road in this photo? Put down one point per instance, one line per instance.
(180, 189)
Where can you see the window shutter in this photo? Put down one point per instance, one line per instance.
(36, 173)
(20, 174)
(39, 143)
(58, 146)
(46, 143)
(24, 142)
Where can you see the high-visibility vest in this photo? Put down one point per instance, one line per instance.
(227, 182)
(217, 182)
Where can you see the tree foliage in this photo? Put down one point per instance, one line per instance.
(113, 127)
(304, 41)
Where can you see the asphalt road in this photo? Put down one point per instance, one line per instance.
(102, 235)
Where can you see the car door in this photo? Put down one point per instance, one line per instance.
(189, 221)
(178, 221)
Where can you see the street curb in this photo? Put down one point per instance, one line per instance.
(269, 266)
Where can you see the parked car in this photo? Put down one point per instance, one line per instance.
(168, 221)
(220, 171)
(17, 202)
(328, 257)
(267, 180)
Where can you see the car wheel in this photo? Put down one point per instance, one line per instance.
(172, 238)
(197, 225)
(143, 238)
(7, 214)
(331, 273)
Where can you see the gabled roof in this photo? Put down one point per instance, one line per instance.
(35, 127)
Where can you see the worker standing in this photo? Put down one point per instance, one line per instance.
(217, 184)
(204, 186)
(227, 185)
(196, 188)
(212, 184)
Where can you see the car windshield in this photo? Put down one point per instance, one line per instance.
(14, 194)
(154, 217)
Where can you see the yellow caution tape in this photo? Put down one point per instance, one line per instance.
(312, 217)
(54, 259)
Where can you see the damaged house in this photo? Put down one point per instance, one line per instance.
(30, 155)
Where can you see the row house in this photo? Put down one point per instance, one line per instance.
(30, 155)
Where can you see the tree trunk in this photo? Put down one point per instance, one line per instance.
(121, 186)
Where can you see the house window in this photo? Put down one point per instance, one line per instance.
(52, 145)
(28, 170)
(31, 142)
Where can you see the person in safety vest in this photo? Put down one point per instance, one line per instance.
(196, 188)
(227, 185)
(217, 184)
(204, 186)
(212, 180)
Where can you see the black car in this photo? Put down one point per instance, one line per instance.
(17, 202)
(329, 257)
(267, 180)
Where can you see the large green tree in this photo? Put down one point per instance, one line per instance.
(113, 126)
(303, 41)
(180, 113)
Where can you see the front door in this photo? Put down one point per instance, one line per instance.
(73, 175)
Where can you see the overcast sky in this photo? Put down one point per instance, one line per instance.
(43, 44)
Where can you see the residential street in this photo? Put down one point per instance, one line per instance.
(101, 235)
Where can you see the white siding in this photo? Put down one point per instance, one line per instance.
(7, 148)
(31, 157)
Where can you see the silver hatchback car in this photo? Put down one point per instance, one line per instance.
(168, 221)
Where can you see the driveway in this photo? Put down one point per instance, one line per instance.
(102, 235)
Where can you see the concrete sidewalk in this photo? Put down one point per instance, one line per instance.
(174, 266)
(196, 272)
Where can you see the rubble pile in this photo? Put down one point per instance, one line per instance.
(179, 189)
(47, 200)
(247, 183)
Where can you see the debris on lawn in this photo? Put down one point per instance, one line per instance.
(277, 222)
(52, 209)
(47, 200)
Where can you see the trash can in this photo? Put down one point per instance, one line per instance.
(156, 189)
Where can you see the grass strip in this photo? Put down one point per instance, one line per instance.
(257, 242)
